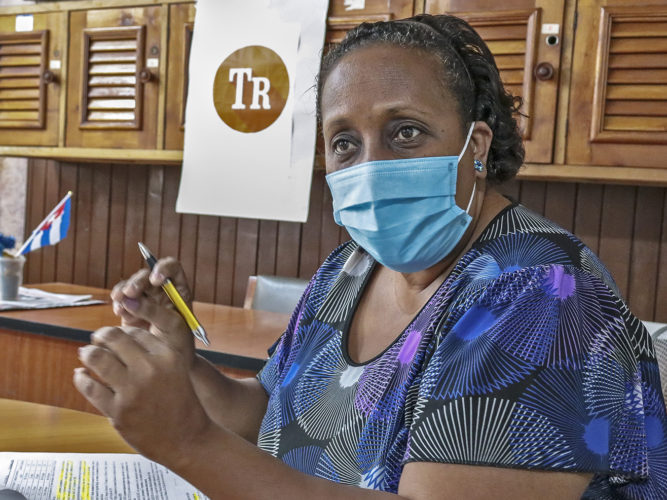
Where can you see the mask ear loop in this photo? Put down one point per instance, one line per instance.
(465, 147)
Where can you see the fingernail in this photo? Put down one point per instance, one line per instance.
(130, 304)
(157, 276)
(80, 351)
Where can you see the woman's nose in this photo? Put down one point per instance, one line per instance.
(375, 150)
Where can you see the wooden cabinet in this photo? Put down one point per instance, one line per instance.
(181, 24)
(529, 66)
(344, 16)
(30, 55)
(618, 105)
(112, 95)
(593, 76)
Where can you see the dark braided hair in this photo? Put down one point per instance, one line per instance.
(470, 74)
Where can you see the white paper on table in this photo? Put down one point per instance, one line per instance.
(265, 174)
(92, 476)
(33, 298)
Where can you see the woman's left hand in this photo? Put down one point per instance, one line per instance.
(142, 384)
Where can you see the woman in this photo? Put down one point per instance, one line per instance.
(460, 347)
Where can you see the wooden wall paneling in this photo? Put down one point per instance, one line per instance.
(66, 248)
(170, 221)
(645, 251)
(533, 195)
(99, 226)
(246, 257)
(288, 252)
(660, 313)
(52, 197)
(616, 233)
(117, 216)
(154, 197)
(135, 220)
(560, 203)
(266, 247)
(82, 246)
(588, 216)
(329, 232)
(187, 250)
(226, 254)
(310, 235)
(35, 214)
(206, 259)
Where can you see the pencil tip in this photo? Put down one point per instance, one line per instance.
(201, 335)
(142, 248)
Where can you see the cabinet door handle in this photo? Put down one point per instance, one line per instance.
(48, 77)
(145, 76)
(544, 71)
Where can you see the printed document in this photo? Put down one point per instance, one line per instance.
(91, 476)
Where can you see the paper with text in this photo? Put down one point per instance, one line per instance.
(96, 476)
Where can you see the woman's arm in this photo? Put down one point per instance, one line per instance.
(223, 466)
(236, 404)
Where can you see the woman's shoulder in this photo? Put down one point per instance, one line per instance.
(518, 239)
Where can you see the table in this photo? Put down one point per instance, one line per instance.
(34, 427)
(38, 348)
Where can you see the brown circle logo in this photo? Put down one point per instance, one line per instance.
(251, 88)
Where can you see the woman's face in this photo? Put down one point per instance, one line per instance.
(384, 102)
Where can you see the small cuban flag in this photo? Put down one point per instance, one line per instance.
(52, 229)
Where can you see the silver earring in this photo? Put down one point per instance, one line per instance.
(479, 166)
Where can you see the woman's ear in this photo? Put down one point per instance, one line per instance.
(481, 142)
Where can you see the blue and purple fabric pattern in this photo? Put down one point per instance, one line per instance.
(525, 357)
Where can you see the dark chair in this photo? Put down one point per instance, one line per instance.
(273, 293)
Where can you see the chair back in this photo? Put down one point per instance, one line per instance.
(274, 293)
(660, 342)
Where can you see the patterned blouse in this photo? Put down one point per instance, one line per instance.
(525, 357)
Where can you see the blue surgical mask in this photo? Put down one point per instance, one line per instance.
(402, 212)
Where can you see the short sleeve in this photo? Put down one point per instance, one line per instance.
(279, 353)
(545, 368)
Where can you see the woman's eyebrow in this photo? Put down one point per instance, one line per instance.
(335, 124)
(403, 109)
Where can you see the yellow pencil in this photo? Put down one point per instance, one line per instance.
(175, 297)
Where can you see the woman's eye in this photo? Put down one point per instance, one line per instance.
(407, 133)
(342, 146)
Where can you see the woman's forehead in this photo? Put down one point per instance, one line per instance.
(385, 76)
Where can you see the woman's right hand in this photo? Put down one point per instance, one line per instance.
(140, 301)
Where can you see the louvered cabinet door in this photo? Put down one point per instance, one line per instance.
(513, 30)
(618, 104)
(181, 24)
(114, 88)
(29, 87)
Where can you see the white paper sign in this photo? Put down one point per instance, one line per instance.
(250, 123)
(54, 64)
(24, 22)
(550, 29)
(354, 4)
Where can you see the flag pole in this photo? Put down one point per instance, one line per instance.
(36, 230)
